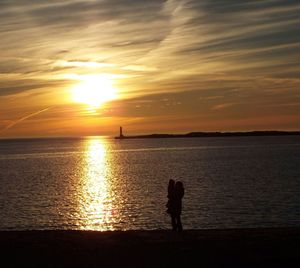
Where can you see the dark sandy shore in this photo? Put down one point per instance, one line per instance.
(274, 247)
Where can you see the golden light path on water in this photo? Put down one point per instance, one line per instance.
(97, 197)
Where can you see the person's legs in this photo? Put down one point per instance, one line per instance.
(174, 224)
(179, 224)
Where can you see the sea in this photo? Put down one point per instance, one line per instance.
(100, 183)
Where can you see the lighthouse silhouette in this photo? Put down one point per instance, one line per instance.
(121, 133)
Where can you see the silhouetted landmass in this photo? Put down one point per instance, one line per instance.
(263, 248)
(211, 134)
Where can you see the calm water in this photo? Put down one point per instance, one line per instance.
(105, 184)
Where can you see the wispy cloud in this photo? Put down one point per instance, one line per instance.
(222, 106)
(12, 124)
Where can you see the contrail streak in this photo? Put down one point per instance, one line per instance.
(23, 118)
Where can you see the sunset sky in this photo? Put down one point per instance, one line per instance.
(71, 68)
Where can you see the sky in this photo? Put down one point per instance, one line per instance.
(173, 66)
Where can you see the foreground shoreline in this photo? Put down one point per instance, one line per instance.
(262, 247)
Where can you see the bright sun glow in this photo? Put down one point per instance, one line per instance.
(94, 90)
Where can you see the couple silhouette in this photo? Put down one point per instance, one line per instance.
(174, 204)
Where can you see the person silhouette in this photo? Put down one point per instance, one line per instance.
(178, 195)
(170, 195)
(175, 196)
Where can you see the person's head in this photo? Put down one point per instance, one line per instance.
(179, 185)
(178, 189)
(171, 182)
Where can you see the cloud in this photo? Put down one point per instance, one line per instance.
(88, 64)
(12, 124)
(222, 106)
(194, 35)
(139, 68)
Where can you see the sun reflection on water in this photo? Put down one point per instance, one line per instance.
(97, 210)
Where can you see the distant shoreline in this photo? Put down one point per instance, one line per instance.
(211, 134)
(162, 135)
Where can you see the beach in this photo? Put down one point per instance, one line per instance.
(263, 247)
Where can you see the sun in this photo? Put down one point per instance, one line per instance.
(94, 90)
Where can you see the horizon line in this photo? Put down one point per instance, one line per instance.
(149, 134)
